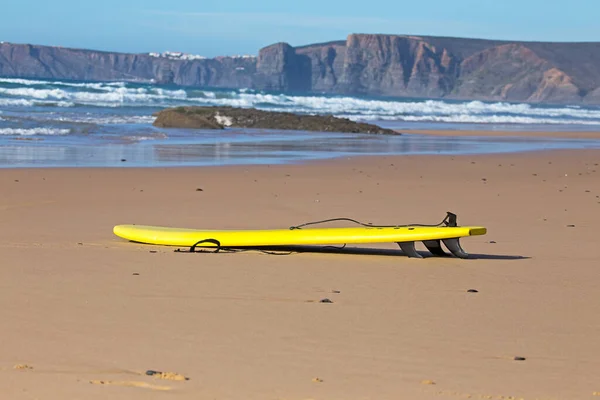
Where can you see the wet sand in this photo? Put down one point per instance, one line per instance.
(506, 133)
(85, 314)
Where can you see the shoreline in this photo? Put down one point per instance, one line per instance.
(504, 133)
(279, 148)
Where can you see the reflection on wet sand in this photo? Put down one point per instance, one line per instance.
(263, 148)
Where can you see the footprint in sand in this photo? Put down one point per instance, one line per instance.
(22, 367)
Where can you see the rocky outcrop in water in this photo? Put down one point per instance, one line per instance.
(380, 65)
(225, 117)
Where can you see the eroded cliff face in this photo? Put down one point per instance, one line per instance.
(326, 65)
(431, 67)
(513, 71)
(29, 61)
(381, 65)
(396, 66)
(280, 68)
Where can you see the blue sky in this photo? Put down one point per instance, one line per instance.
(227, 27)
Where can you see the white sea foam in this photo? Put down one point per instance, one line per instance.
(32, 82)
(16, 102)
(30, 103)
(107, 119)
(489, 119)
(119, 94)
(33, 131)
(18, 81)
(383, 109)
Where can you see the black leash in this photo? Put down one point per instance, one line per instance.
(449, 220)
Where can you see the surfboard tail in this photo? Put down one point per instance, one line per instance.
(435, 246)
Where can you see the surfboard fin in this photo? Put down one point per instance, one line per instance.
(454, 246)
(408, 248)
(435, 247)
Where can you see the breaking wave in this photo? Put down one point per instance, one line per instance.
(38, 93)
(106, 119)
(33, 131)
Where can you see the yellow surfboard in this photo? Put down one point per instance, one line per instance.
(405, 236)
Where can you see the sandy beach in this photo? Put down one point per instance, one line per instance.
(85, 314)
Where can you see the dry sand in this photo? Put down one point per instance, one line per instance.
(85, 313)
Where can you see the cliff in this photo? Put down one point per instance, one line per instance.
(380, 65)
(29, 61)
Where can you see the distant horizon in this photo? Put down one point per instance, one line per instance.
(256, 52)
(215, 28)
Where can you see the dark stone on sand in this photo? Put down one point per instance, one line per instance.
(472, 291)
(325, 301)
(135, 273)
(199, 190)
(492, 241)
(152, 372)
(517, 358)
(196, 117)
(570, 226)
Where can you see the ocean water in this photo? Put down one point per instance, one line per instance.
(60, 123)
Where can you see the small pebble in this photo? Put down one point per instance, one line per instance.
(135, 273)
(517, 358)
(317, 380)
(492, 241)
(472, 291)
(153, 251)
(123, 159)
(570, 226)
(325, 301)
(336, 291)
(199, 190)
